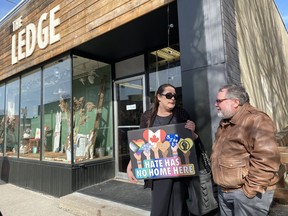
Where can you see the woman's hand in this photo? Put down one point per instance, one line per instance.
(130, 174)
(190, 125)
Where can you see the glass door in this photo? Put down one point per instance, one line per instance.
(129, 104)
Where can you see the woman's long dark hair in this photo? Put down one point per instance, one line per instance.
(155, 105)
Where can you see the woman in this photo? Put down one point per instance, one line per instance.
(168, 195)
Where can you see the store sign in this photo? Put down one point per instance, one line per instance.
(25, 41)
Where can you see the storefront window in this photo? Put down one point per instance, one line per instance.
(30, 115)
(92, 109)
(165, 58)
(86, 121)
(2, 118)
(12, 118)
(171, 76)
(56, 127)
(164, 67)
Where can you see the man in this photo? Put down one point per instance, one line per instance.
(245, 158)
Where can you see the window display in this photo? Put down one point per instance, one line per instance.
(29, 113)
(52, 123)
(12, 118)
(92, 109)
(57, 111)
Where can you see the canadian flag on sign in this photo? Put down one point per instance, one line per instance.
(151, 137)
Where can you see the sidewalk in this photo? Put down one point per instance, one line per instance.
(17, 201)
(111, 198)
(85, 205)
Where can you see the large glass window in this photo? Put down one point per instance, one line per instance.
(56, 127)
(165, 58)
(2, 118)
(12, 118)
(164, 67)
(52, 124)
(92, 109)
(30, 115)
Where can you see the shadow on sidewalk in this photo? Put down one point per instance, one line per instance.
(135, 195)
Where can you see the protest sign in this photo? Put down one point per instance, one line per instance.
(162, 152)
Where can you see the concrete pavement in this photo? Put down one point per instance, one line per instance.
(17, 201)
(84, 205)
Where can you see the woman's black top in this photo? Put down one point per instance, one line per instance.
(179, 115)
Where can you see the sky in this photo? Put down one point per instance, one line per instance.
(283, 9)
(7, 5)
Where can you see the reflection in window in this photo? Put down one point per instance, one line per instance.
(164, 67)
(30, 115)
(92, 111)
(164, 58)
(2, 118)
(12, 117)
(56, 111)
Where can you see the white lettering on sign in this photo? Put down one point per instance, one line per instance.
(24, 43)
(17, 23)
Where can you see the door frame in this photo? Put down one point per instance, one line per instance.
(118, 174)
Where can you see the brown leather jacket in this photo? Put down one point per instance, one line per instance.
(245, 154)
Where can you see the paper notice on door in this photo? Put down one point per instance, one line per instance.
(131, 107)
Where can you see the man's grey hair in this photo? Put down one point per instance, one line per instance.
(236, 91)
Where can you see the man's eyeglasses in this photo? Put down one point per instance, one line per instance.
(218, 101)
(170, 95)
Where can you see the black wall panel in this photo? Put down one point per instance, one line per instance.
(54, 179)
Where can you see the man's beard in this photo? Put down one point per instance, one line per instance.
(227, 114)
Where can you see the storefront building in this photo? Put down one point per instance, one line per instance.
(75, 76)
